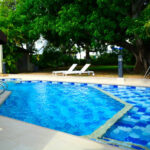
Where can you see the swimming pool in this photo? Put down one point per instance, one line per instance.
(133, 127)
(71, 108)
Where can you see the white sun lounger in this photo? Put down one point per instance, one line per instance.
(82, 71)
(65, 71)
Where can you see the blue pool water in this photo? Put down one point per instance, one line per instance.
(75, 109)
(134, 127)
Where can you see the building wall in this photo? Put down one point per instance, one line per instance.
(24, 63)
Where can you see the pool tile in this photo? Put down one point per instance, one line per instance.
(140, 88)
(142, 109)
(13, 79)
(35, 81)
(83, 84)
(99, 85)
(137, 147)
(136, 117)
(141, 124)
(66, 83)
(134, 135)
(147, 89)
(72, 83)
(138, 129)
(90, 84)
(105, 86)
(148, 144)
(130, 102)
(122, 87)
(137, 140)
(125, 124)
(54, 82)
(77, 84)
(130, 87)
(138, 96)
(4, 79)
(60, 82)
(114, 86)
(123, 128)
(148, 109)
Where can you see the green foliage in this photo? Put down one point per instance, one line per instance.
(112, 58)
(147, 21)
(63, 23)
(16, 22)
(10, 64)
(10, 58)
(106, 59)
(6, 25)
(128, 58)
(140, 25)
(52, 58)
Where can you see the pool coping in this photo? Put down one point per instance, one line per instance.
(140, 82)
(4, 96)
(97, 134)
(122, 144)
(76, 82)
(102, 129)
(19, 135)
(82, 83)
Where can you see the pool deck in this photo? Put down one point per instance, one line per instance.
(18, 135)
(84, 79)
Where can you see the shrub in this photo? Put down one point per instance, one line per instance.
(105, 59)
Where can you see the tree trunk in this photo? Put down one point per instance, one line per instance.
(141, 52)
(142, 63)
(138, 65)
(142, 58)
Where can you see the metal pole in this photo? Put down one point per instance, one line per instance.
(120, 64)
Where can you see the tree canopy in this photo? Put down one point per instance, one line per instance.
(89, 24)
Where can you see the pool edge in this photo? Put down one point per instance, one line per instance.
(97, 134)
(4, 96)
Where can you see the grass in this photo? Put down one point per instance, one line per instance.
(111, 68)
(99, 68)
(100, 71)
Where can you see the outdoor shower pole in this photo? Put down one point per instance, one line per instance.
(120, 63)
